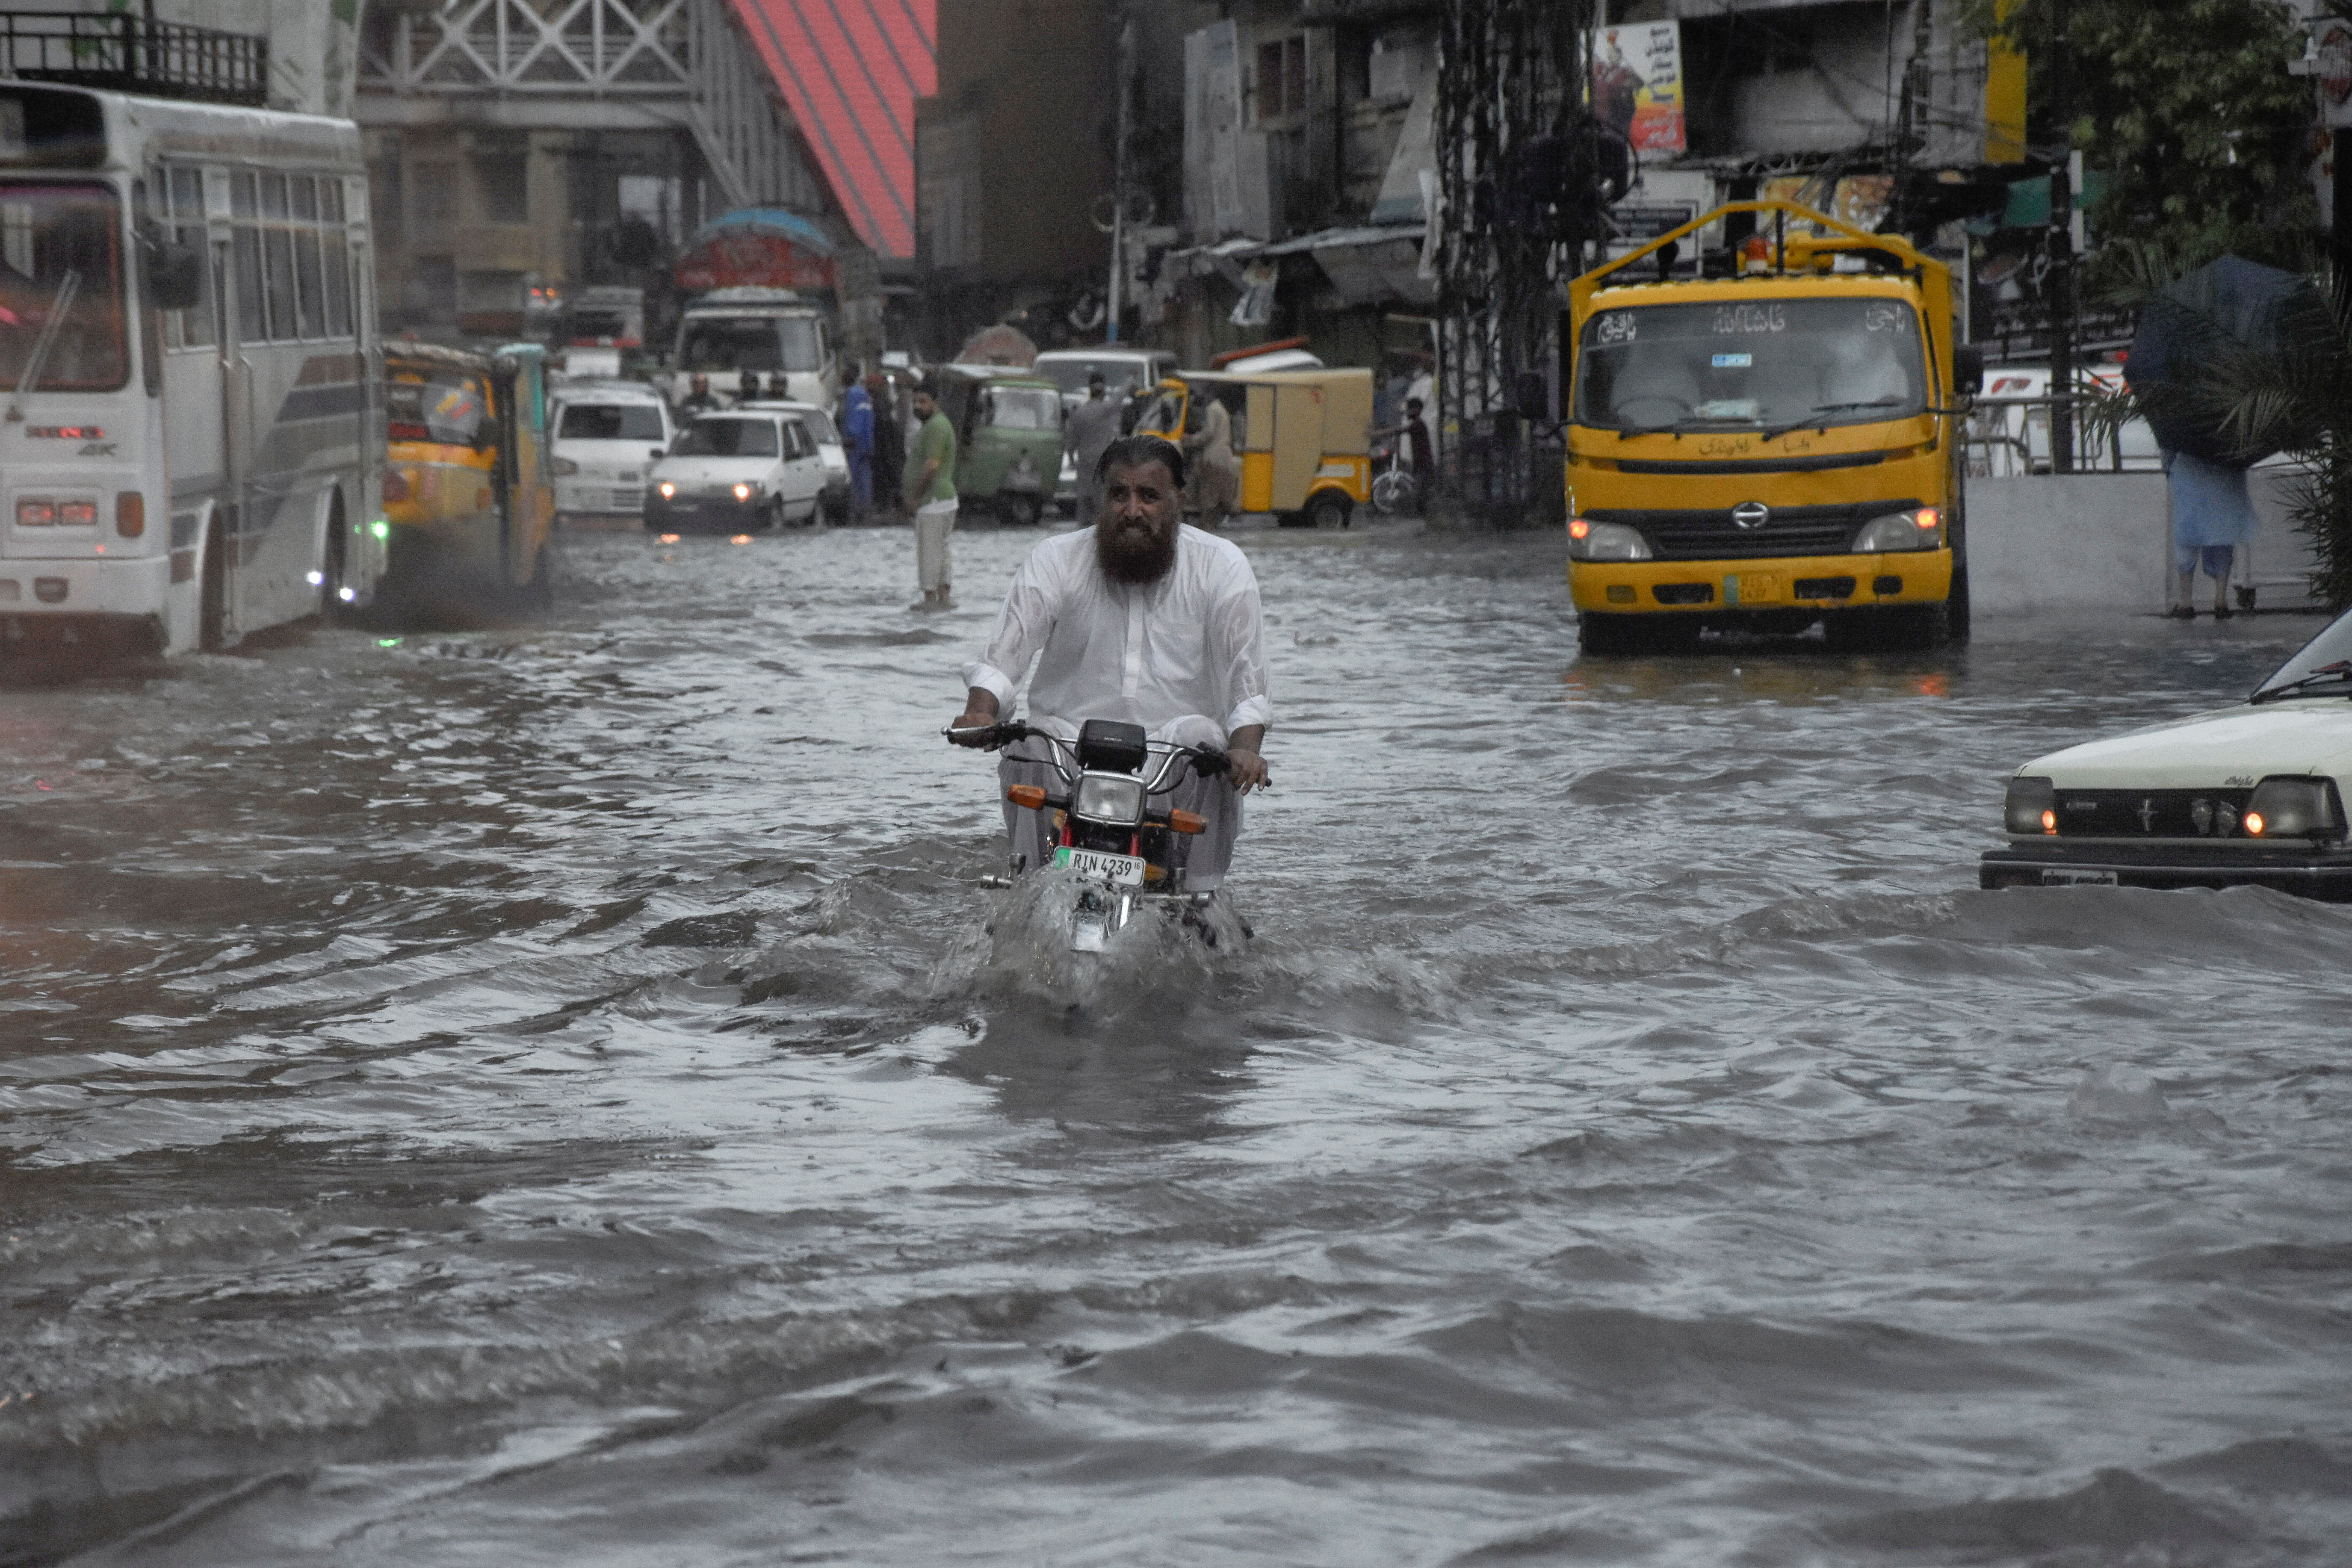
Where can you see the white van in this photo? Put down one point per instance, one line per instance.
(608, 436)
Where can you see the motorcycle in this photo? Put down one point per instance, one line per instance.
(1124, 856)
(1394, 487)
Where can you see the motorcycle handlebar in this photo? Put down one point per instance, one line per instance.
(1206, 762)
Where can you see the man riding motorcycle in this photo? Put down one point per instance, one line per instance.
(1142, 619)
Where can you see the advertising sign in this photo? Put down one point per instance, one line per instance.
(1637, 83)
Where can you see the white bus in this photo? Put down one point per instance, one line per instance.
(193, 444)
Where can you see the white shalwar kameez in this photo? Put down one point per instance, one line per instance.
(1183, 656)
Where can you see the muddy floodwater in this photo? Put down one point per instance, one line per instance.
(551, 1094)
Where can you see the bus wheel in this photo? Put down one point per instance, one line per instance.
(1328, 509)
(211, 605)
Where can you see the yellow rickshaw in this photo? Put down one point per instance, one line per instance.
(467, 487)
(1304, 436)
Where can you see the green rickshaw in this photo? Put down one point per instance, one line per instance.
(1008, 428)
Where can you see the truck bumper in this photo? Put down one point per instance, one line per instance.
(1811, 584)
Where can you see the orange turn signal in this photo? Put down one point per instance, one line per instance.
(1185, 822)
(130, 513)
(1030, 796)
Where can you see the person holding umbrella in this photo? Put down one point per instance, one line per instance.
(2213, 514)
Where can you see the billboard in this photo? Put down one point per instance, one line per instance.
(1637, 83)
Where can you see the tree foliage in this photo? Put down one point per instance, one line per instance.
(2188, 106)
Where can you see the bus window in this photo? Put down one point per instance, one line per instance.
(338, 258)
(244, 258)
(48, 232)
(307, 270)
(751, 342)
(278, 256)
(447, 407)
(191, 327)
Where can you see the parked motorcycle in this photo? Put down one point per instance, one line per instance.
(1125, 856)
(1394, 487)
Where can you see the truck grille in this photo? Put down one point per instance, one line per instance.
(1711, 535)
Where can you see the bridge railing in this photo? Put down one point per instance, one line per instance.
(130, 54)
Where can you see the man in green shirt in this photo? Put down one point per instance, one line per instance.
(929, 485)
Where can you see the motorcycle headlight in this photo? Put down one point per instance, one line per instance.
(1591, 541)
(1920, 529)
(1104, 798)
(2032, 807)
(2293, 809)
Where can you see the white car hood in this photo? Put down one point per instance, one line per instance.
(2229, 747)
(602, 456)
(714, 471)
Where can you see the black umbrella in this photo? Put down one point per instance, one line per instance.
(2205, 336)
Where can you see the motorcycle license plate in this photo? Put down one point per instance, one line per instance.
(1117, 870)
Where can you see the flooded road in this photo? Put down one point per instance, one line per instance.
(551, 1094)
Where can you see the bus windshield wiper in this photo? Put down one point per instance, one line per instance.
(68, 286)
(2335, 673)
(1776, 432)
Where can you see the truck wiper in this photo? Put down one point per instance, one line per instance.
(59, 303)
(1778, 431)
(2339, 671)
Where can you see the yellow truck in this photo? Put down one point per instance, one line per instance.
(1304, 436)
(1770, 449)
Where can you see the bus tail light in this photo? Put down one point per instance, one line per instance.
(33, 513)
(77, 514)
(130, 513)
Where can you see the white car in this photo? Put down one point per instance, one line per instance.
(735, 472)
(2250, 794)
(829, 446)
(607, 435)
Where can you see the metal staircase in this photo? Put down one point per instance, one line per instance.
(684, 63)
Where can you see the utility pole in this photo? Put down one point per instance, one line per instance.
(1125, 55)
(2060, 293)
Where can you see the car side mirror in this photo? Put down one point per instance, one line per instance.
(1967, 368)
(175, 276)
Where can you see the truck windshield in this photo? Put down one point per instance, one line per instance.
(728, 438)
(1773, 363)
(611, 421)
(46, 233)
(749, 342)
(1024, 408)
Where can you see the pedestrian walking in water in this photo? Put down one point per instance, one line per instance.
(928, 483)
(1087, 434)
(890, 440)
(1216, 472)
(2213, 514)
(857, 438)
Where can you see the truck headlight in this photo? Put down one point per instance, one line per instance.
(2293, 809)
(1102, 797)
(1920, 529)
(1591, 541)
(2032, 807)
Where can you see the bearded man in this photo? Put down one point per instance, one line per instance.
(1141, 618)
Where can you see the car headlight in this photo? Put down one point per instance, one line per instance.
(1591, 541)
(668, 490)
(747, 490)
(1920, 529)
(1103, 797)
(2293, 809)
(2032, 807)
(565, 467)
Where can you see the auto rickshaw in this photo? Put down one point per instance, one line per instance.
(467, 489)
(1008, 428)
(1304, 436)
